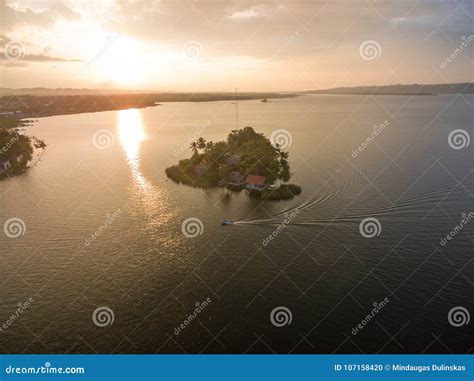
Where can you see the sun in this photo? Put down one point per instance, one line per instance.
(120, 61)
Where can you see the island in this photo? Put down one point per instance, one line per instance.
(245, 160)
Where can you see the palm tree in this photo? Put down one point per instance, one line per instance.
(284, 174)
(194, 148)
(201, 143)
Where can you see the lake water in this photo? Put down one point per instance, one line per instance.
(103, 228)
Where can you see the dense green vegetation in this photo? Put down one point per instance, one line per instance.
(15, 147)
(284, 192)
(211, 163)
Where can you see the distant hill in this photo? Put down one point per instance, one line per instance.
(414, 89)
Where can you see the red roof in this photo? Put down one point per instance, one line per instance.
(256, 180)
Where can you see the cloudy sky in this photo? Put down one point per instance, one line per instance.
(218, 45)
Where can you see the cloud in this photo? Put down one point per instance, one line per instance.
(15, 15)
(247, 14)
(5, 61)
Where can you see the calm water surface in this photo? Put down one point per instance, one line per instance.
(320, 267)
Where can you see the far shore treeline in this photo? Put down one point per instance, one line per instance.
(227, 163)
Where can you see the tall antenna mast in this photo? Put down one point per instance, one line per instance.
(236, 111)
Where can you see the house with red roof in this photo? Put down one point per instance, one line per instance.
(255, 182)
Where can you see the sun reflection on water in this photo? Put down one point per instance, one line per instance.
(132, 134)
(149, 201)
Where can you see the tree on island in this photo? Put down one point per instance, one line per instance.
(211, 162)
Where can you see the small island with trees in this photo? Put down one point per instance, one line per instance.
(246, 160)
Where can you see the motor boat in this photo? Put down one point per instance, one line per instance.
(227, 222)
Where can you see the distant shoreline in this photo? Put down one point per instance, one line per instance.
(39, 106)
(355, 93)
(404, 90)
